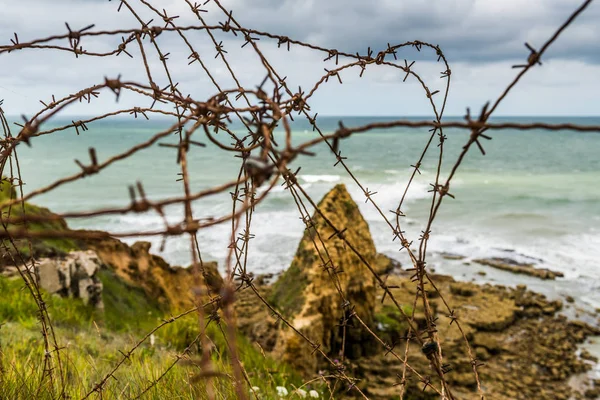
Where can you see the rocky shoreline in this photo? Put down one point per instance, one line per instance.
(510, 265)
(527, 349)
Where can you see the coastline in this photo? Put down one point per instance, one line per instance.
(492, 314)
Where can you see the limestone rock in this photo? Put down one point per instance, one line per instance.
(306, 293)
(510, 265)
(452, 256)
(9, 271)
(174, 287)
(72, 276)
(385, 265)
(530, 352)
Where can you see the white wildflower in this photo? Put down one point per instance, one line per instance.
(314, 394)
(301, 393)
(152, 340)
(281, 391)
(255, 389)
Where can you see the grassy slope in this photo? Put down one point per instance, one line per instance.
(93, 341)
(40, 247)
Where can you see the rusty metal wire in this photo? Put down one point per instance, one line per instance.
(263, 164)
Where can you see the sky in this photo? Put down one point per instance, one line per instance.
(481, 39)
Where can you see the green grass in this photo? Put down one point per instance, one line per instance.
(392, 323)
(288, 290)
(18, 306)
(7, 192)
(90, 354)
(40, 247)
(127, 308)
(92, 341)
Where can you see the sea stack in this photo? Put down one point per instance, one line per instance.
(306, 293)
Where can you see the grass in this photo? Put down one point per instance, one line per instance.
(19, 307)
(92, 342)
(127, 308)
(40, 247)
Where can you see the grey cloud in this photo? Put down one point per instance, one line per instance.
(467, 30)
(474, 34)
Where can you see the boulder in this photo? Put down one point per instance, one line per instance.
(74, 275)
(452, 256)
(306, 293)
(385, 265)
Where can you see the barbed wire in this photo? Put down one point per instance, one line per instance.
(263, 163)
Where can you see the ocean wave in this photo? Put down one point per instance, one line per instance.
(320, 178)
(279, 189)
(277, 220)
(576, 255)
(389, 194)
(521, 216)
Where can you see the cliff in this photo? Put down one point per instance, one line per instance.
(173, 288)
(526, 348)
(71, 267)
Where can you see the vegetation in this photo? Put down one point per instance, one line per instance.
(127, 308)
(391, 323)
(93, 340)
(39, 247)
(288, 290)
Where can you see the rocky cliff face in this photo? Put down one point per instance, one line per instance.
(74, 275)
(529, 350)
(306, 293)
(69, 267)
(174, 288)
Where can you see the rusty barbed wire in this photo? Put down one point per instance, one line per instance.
(263, 164)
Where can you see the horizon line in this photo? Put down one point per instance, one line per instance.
(428, 117)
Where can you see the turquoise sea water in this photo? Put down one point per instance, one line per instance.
(534, 196)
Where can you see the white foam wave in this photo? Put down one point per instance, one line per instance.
(389, 195)
(320, 178)
(574, 255)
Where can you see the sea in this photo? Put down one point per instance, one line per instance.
(533, 197)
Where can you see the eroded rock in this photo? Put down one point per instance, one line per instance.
(306, 293)
(516, 267)
(528, 349)
(452, 256)
(385, 265)
(74, 275)
(174, 287)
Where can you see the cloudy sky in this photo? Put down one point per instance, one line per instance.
(482, 39)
